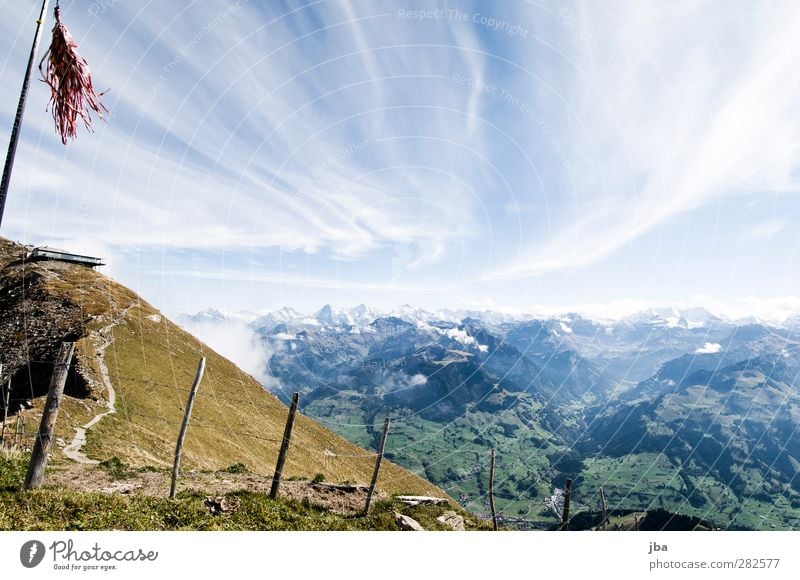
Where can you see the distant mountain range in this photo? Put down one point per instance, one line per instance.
(670, 408)
(364, 314)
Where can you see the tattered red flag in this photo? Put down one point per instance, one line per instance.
(72, 94)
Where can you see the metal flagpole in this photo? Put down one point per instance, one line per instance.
(12, 144)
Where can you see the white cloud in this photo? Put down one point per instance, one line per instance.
(772, 310)
(223, 141)
(691, 107)
(613, 310)
(709, 348)
(768, 310)
(460, 335)
(764, 230)
(337, 130)
(290, 279)
(237, 342)
(417, 380)
(392, 382)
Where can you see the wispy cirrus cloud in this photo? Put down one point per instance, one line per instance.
(239, 127)
(764, 230)
(673, 110)
(504, 149)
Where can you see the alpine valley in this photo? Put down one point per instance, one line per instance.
(674, 409)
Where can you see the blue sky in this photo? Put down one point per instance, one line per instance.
(463, 154)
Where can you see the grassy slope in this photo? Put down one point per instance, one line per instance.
(455, 455)
(67, 509)
(151, 363)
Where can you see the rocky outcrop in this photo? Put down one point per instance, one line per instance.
(407, 524)
(33, 323)
(413, 500)
(222, 504)
(452, 520)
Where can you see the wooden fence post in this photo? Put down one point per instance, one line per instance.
(5, 412)
(491, 490)
(6, 402)
(378, 461)
(44, 439)
(201, 367)
(603, 510)
(565, 514)
(287, 437)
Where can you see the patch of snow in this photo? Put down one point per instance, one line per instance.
(154, 318)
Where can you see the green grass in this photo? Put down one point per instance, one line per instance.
(236, 468)
(52, 508)
(648, 480)
(455, 455)
(12, 470)
(637, 473)
(116, 468)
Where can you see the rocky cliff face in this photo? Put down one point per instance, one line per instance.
(33, 323)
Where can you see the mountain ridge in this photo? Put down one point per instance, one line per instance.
(557, 398)
(686, 317)
(151, 363)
